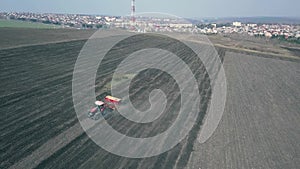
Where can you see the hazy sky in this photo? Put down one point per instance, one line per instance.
(183, 8)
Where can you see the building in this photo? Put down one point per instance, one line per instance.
(252, 25)
(237, 24)
(178, 25)
(268, 34)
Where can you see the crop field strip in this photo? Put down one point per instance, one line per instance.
(126, 161)
(22, 24)
(259, 128)
(22, 37)
(38, 103)
(39, 81)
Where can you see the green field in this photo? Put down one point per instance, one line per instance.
(24, 24)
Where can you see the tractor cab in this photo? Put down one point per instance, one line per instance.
(99, 104)
(95, 113)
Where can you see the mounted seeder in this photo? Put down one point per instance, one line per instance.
(108, 104)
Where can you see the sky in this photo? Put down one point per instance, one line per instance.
(182, 8)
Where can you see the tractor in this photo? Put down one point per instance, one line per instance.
(103, 107)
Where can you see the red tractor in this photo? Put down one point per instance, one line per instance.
(102, 107)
